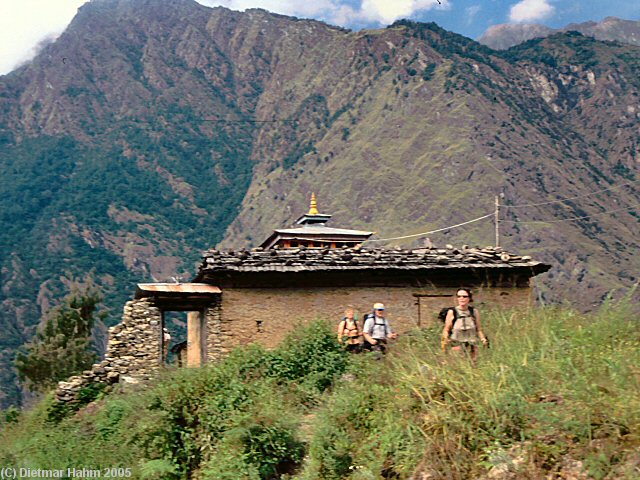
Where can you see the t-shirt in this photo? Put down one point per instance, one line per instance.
(377, 327)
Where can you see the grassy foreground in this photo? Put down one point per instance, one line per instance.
(556, 396)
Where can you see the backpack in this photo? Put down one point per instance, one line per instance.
(442, 316)
(355, 322)
(373, 316)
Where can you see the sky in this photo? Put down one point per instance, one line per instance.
(27, 24)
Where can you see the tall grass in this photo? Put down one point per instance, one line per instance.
(557, 393)
(557, 389)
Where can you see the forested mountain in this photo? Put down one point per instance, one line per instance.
(151, 130)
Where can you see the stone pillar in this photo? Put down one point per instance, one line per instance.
(194, 338)
(215, 335)
(136, 342)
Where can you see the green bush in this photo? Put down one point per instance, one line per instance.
(429, 70)
(310, 359)
(263, 446)
(11, 415)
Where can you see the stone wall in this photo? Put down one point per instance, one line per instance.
(279, 310)
(216, 340)
(133, 351)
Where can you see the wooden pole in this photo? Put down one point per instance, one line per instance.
(497, 221)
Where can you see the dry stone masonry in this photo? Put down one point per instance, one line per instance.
(217, 339)
(133, 352)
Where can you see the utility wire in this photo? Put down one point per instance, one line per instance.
(433, 231)
(223, 120)
(574, 218)
(509, 221)
(569, 198)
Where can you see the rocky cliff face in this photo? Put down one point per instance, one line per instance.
(507, 35)
(172, 127)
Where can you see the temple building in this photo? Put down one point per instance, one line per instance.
(315, 271)
(312, 232)
(310, 271)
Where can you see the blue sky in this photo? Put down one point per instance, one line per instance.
(563, 12)
(468, 17)
(24, 24)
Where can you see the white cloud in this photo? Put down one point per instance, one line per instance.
(530, 10)
(471, 12)
(284, 7)
(335, 11)
(26, 23)
(384, 11)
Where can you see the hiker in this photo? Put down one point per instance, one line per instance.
(377, 330)
(349, 331)
(462, 327)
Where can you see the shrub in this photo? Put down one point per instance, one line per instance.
(310, 358)
(263, 447)
(427, 73)
(556, 387)
(62, 346)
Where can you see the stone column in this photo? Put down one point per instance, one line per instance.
(136, 343)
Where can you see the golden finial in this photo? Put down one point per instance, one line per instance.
(313, 209)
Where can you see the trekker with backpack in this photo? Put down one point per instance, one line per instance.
(349, 331)
(462, 328)
(377, 330)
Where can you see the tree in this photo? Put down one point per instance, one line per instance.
(62, 346)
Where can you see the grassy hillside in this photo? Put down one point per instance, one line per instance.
(558, 393)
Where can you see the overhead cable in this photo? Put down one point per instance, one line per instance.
(432, 231)
(570, 198)
(574, 218)
(247, 120)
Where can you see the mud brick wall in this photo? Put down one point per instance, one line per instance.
(279, 310)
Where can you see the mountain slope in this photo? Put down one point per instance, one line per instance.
(93, 176)
(506, 35)
(171, 127)
(413, 155)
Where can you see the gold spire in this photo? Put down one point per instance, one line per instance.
(313, 209)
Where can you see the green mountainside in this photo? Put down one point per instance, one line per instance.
(171, 127)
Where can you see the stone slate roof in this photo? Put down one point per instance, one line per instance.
(321, 230)
(358, 258)
(316, 232)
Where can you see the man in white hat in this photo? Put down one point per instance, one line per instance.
(377, 330)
